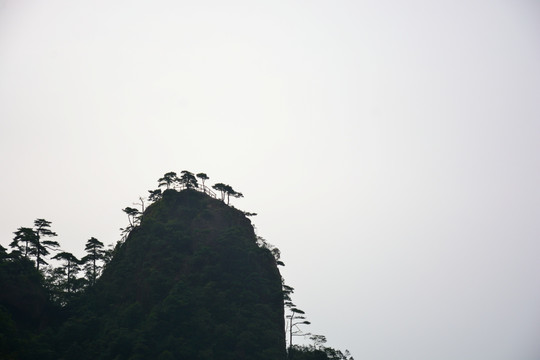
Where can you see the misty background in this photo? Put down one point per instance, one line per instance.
(391, 149)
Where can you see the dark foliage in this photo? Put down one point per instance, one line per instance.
(320, 353)
(190, 281)
(26, 311)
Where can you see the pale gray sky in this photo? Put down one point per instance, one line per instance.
(390, 148)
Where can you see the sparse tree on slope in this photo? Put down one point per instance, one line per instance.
(41, 247)
(142, 204)
(70, 268)
(295, 319)
(133, 215)
(236, 194)
(229, 191)
(203, 177)
(95, 253)
(221, 188)
(155, 195)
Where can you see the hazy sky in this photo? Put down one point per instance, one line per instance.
(391, 149)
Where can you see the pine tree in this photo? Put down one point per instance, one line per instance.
(95, 252)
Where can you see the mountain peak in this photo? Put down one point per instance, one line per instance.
(193, 267)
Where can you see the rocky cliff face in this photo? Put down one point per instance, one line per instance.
(190, 282)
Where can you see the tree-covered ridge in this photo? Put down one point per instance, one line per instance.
(62, 278)
(195, 259)
(68, 275)
(170, 180)
(189, 279)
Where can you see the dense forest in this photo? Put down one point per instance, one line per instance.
(188, 279)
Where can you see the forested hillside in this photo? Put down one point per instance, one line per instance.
(189, 280)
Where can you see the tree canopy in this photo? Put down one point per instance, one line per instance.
(168, 179)
(188, 180)
(95, 253)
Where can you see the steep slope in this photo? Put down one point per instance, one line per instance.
(189, 283)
